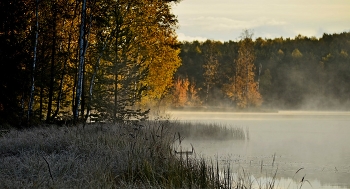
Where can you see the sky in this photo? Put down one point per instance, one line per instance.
(225, 20)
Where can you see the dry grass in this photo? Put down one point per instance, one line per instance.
(105, 156)
(214, 131)
(99, 156)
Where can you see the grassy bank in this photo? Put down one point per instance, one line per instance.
(105, 156)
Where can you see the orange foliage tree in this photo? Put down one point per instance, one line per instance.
(185, 93)
(193, 98)
(243, 89)
(180, 92)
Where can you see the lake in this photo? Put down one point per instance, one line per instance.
(317, 143)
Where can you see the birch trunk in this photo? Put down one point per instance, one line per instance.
(81, 63)
(59, 97)
(92, 81)
(53, 59)
(31, 98)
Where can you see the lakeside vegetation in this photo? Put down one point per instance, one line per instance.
(212, 131)
(107, 156)
(129, 155)
(133, 155)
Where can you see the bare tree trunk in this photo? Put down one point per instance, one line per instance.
(59, 97)
(21, 115)
(41, 98)
(92, 81)
(88, 109)
(74, 90)
(115, 109)
(207, 94)
(82, 98)
(52, 77)
(81, 63)
(31, 98)
(260, 68)
(247, 84)
(41, 102)
(86, 44)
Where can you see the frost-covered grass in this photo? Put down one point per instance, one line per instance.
(105, 156)
(99, 156)
(213, 131)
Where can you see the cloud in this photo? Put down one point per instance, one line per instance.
(183, 37)
(225, 19)
(221, 24)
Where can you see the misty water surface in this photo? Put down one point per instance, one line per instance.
(318, 142)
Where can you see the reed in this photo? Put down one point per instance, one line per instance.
(128, 155)
(215, 131)
(99, 156)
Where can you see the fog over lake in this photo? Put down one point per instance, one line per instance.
(286, 141)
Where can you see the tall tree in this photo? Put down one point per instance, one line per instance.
(15, 58)
(138, 57)
(244, 89)
(32, 88)
(54, 10)
(180, 90)
(133, 53)
(82, 50)
(210, 66)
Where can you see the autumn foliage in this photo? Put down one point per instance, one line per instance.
(184, 93)
(95, 60)
(281, 73)
(243, 89)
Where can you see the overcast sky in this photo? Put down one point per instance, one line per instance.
(226, 19)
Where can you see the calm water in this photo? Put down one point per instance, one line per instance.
(317, 142)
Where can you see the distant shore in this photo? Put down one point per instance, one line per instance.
(221, 109)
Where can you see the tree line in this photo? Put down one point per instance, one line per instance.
(108, 60)
(282, 73)
(75, 60)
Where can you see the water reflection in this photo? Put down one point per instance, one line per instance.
(318, 142)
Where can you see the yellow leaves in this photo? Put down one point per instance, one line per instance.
(180, 92)
(185, 93)
(280, 52)
(244, 95)
(198, 50)
(194, 99)
(254, 97)
(145, 40)
(296, 53)
(243, 89)
(163, 61)
(343, 54)
(229, 89)
(161, 70)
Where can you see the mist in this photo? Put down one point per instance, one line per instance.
(284, 141)
(291, 95)
(301, 73)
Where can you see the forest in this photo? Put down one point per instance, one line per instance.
(102, 60)
(79, 60)
(282, 73)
